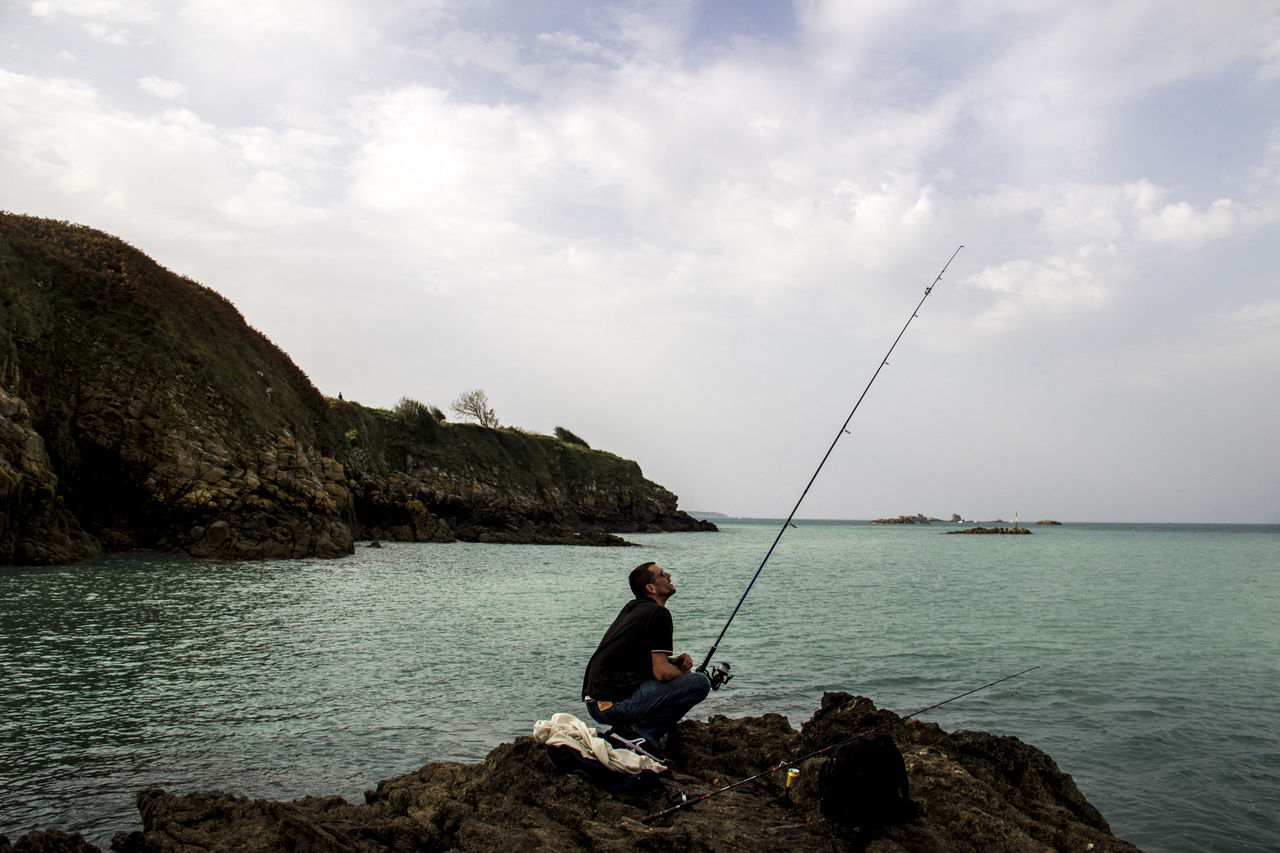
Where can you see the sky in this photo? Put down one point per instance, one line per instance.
(689, 232)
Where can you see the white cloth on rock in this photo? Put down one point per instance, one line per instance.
(568, 730)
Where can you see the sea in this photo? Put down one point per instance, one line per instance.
(1157, 649)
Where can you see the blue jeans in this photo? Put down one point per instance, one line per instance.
(655, 706)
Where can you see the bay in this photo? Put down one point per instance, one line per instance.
(1158, 650)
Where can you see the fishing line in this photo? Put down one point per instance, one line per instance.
(685, 803)
(721, 673)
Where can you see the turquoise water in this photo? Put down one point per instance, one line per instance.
(1158, 648)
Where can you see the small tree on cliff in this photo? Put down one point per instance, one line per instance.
(474, 405)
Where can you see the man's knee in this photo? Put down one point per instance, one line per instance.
(697, 686)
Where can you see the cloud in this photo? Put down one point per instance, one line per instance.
(113, 22)
(1258, 316)
(132, 173)
(114, 11)
(1182, 224)
(1053, 287)
(169, 90)
(270, 200)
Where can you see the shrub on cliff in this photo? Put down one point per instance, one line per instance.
(417, 418)
(569, 438)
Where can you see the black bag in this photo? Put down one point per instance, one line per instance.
(863, 786)
(566, 759)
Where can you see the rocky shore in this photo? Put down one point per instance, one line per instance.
(972, 791)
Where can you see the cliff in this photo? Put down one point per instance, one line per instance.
(972, 791)
(138, 409)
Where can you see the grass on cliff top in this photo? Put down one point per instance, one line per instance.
(85, 313)
(404, 440)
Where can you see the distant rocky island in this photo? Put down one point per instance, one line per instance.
(139, 410)
(971, 791)
(996, 530)
(920, 518)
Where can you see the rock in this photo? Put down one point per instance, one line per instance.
(972, 791)
(991, 530)
(50, 841)
(918, 518)
(35, 526)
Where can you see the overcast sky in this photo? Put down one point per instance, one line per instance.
(689, 231)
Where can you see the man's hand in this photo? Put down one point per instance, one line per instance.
(665, 668)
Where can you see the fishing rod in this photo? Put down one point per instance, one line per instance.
(685, 803)
(721, 674)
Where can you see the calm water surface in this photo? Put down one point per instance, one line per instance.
(1158, 647)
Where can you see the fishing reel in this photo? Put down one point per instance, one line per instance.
(719, 675)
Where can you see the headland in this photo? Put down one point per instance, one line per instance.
(138, 409)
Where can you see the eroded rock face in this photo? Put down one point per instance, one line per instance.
(35, 528)
(172, 483)
(479, 485)
(972, 792)
(283, 501)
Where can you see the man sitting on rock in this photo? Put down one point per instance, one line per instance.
(633, 683)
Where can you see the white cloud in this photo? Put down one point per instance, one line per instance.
(1050, 288)
(169, 90)
(1259, 315)
(297, 149)
(418, 150)
(270, 200)
(117, 11)
(1267, 36)
(335, 24)
(106, 33)
(1182, 224)
(114, 22)
(113, 168)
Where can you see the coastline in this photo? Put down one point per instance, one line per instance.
(972, 791)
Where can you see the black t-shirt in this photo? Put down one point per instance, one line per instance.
(623, 659)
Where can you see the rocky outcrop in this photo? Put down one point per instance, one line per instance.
(35, 528)
(439, 482)
(167, 422)
(972, 791)
(1049, 522)
(140, 410)
(918, 518)
(996, 530)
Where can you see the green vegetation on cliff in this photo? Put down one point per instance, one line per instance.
(137, 408)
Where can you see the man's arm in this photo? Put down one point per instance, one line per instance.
(665, 668)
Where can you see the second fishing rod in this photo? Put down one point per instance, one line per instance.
(721, 673)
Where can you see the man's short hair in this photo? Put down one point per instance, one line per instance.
(640, 577)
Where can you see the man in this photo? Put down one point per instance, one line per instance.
(633, 683)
